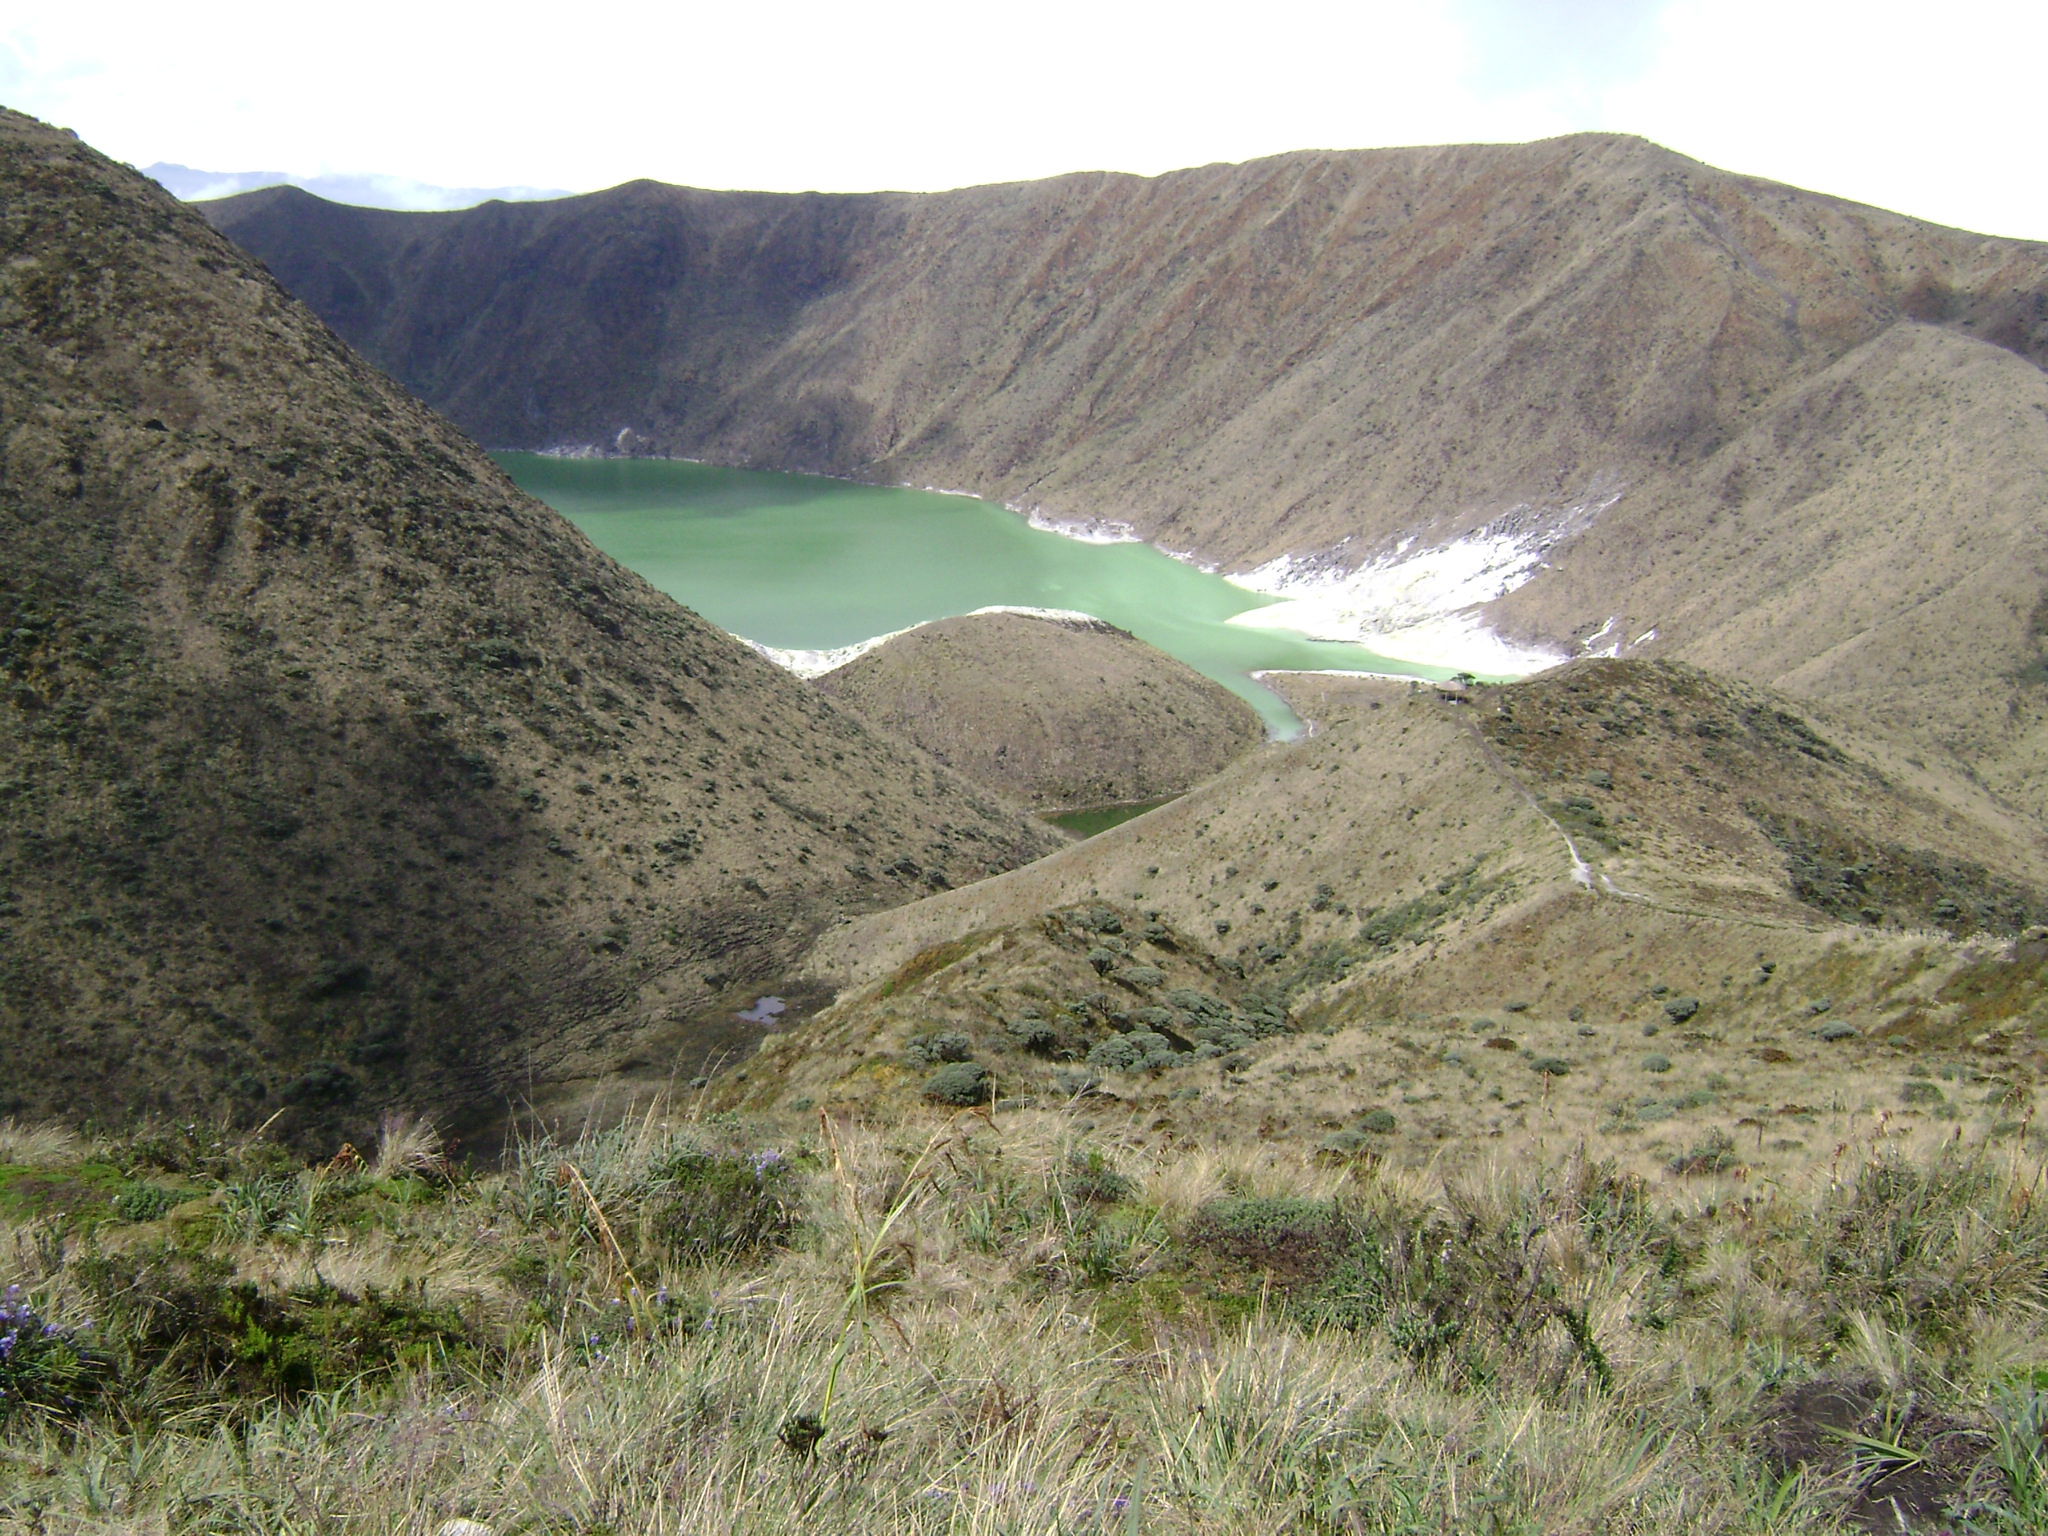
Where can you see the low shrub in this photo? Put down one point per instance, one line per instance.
(1139, 1051)
(937, 1046)
(961, 1083)
(1098, 920)
(47, 1369)
(186, 1317)
(1278, 1233)
(1091, 1179)
(1714, 1155)
(1032, 1034)
(138, 1200)
(1200, 1007)
(701, 1205)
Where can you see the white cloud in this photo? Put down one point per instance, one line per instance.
(1566, 53)
(1901, 106)
(917, 94)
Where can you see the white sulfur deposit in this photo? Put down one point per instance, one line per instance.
(1421, 604)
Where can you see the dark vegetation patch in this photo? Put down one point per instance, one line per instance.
(1583, 821)
(1861, 880)
(173, 1314)
(1568, 721)
(1412, 921)
(962, 1084)
(1998, 989)
(1473, 1296)
(930, 962)
(1097, 819)
(1906, 1461)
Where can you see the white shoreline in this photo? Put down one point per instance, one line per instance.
(1456, 642)
(1423, 605)
(1094, 530)
(816, 663)
(1414, 606)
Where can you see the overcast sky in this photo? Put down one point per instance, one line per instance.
(1930, 109)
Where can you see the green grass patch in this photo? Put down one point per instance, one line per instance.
(929, 962)
(76, 1197)
(1090, 820)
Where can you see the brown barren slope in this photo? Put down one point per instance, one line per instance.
(338, 773)
(1060, 712)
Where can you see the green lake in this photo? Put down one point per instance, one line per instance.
(805, 563)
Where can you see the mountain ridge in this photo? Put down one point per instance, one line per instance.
(1324, 371)
(340, 773)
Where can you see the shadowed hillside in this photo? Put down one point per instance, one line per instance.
(337, 772)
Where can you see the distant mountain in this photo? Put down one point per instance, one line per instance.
(336, 773)
(369, 191)
(1694, 414)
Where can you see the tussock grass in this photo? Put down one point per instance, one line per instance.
(406, 1144)
(36, 1146)
(1022, 1323)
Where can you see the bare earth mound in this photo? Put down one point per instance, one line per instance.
(338, 773)
(1062, 712)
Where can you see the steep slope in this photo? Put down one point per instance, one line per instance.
(1061, 712)
(1400, 339)
(1702, 415)
(337, 772)
(1576, 849)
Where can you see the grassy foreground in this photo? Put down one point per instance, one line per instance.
(1024, 1322)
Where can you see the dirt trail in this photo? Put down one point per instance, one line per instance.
(1596, 881)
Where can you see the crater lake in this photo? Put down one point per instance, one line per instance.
(805, 563)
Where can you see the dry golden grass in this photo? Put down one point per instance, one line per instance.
(974, 1328)
(37, 1146)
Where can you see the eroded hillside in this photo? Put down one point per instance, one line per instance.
(336, 771)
